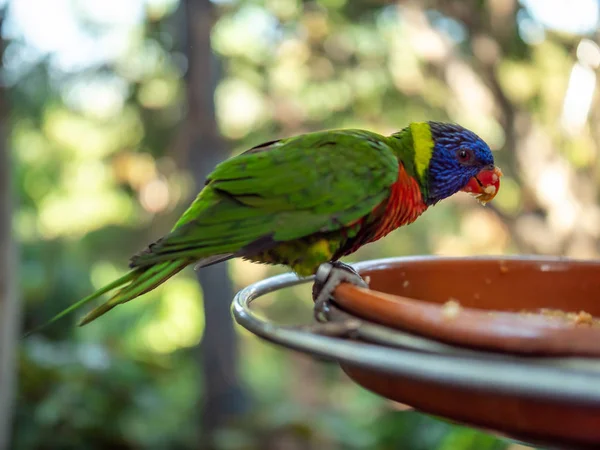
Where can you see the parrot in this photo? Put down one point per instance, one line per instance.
(308, 200)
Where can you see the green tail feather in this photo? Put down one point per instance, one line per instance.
(148, 279)
(137, 282)
(109, 287)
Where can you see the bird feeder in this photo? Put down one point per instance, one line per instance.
(510, 345)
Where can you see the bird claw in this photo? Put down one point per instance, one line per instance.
(328, 277)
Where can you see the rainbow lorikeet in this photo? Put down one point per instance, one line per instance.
(311, 199)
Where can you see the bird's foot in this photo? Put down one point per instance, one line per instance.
(327, 278)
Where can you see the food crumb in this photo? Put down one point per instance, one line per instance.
(405, 284)
(490, 190)
(451, 309)
(580, 318)
(503, 268)
(476, 296)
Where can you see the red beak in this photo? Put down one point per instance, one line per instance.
(485, 185)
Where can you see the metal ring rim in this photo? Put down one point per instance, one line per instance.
(523, 376)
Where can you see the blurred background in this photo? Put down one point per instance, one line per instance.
(112, 113)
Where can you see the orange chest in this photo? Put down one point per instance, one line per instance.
(404, 205)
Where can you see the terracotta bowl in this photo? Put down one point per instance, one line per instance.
(548, 422)
(523, 306)
(483, 364)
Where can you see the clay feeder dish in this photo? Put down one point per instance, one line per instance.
(520, 306)
(533, 377)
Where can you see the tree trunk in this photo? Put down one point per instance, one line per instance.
(223, 394)
(9, 306)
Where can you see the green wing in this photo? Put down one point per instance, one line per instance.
(282, 191)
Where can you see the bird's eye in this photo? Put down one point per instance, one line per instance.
(465, 156)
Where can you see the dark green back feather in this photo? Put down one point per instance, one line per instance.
(293, 188)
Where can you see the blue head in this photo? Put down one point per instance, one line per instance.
(458, 157)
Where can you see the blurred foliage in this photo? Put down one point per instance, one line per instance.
(98, 94)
